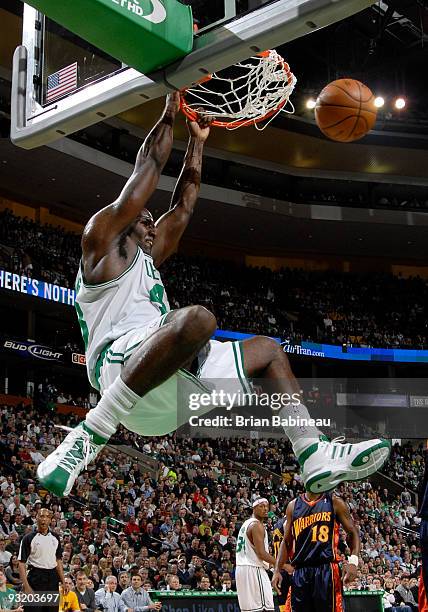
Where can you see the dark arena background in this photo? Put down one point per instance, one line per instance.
(318, 244)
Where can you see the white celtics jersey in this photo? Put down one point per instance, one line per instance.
(109, 310)
(245, 553)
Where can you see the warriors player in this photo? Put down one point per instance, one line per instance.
(312, 529)
(423, 513)
(138, 350)
(252, 559)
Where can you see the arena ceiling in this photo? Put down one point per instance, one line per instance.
(388, 48)
(76, 189)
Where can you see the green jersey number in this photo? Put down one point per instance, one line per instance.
(156, 297)
(240, 544)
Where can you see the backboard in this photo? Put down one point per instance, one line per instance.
(62, 48)
(100, 86)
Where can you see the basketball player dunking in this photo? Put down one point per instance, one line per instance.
(138, 350)
(252, 560)
(312, 526)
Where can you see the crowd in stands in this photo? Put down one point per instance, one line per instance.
(38, 251)
(360, 200)
(325, 306)
(47, 395)
(175, 524)
(410, 203)
(406, 465)
(363, 310)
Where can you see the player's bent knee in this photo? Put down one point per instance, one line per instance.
(202, 318)
(268, 346)
(197, 323)
(269, 350)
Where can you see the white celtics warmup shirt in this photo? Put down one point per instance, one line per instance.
(107, 311)
(245, 553)
(252, 581)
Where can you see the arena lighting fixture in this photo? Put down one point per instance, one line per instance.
(379, 102)
(310, 103)
(400, 103)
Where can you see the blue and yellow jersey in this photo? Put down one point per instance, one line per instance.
(278, 535)
(423, 492)
(315, 531)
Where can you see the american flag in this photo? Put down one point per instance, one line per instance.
(61, 82)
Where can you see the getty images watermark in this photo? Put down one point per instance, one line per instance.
(359, 408)
(223, 408)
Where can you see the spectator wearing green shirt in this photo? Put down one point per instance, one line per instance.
(8, 598)
(172, 474)
(204, 527)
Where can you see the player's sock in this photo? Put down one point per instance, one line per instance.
(300, 436)
(116, 403)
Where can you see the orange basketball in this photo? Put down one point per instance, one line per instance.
(345, 110)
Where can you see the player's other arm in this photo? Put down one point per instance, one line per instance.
(170, 227)
(23, 575)
(113, 220)
(282, 560)
(60, 570)
(344, 517)
(256, 533)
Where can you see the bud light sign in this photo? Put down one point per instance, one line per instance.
(29, 349)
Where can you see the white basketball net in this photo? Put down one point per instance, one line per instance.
(257, 88)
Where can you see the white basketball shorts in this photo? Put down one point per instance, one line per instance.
(254, 589)
(163, 409)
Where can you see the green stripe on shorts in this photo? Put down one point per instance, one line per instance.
(119, 358)
(239, 365)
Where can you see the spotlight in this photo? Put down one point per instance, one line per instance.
(400, 103)
(310, 103)
(379, 102)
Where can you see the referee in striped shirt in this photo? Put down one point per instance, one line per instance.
(40, 564)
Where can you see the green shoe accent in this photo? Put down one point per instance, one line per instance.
(56, 482)
(58, 471)
(360, 459)
(315, 479)
(310, 450)
(96, 438)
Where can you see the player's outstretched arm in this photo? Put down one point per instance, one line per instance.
(282, 560)
(344, 517)
(112, 221)
(170, 227)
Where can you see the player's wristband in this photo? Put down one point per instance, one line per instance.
(353, 559)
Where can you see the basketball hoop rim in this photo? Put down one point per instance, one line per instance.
(192, 115)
